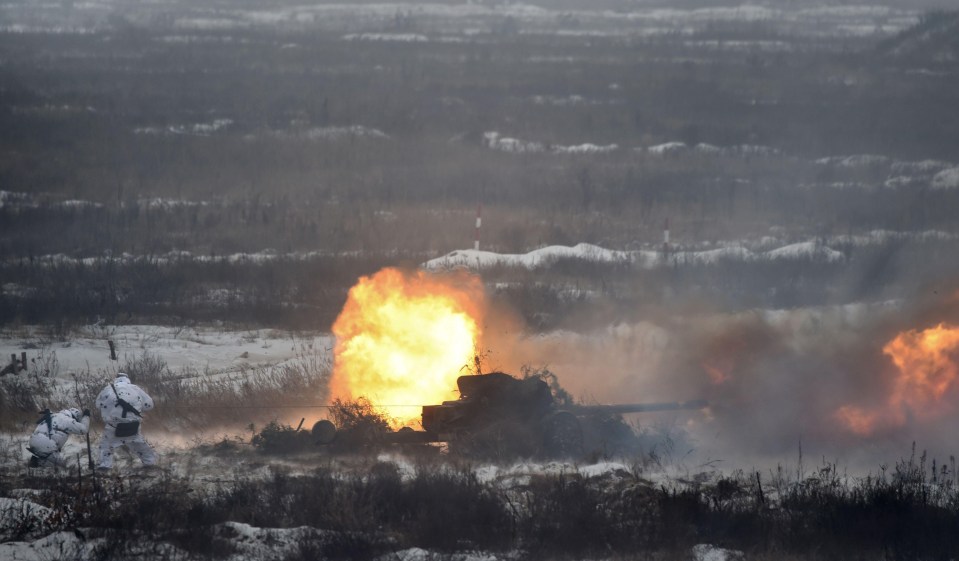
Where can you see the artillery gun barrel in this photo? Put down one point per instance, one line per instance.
(642, 407)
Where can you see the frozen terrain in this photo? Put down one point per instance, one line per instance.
(206, 349)
(467, 18)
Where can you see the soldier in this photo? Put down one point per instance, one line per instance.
(52, 432)
(121, 406)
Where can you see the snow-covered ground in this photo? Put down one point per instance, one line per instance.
(207, 349)
(216, 351)
(765, 249)
(478, 259)
(367, 20)
(190, 129)
(225, 362)
(35, 527)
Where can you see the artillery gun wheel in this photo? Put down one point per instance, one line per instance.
(562, 435)
(324, 432)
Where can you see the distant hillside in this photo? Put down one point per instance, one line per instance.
(934, 40)
(628, 5)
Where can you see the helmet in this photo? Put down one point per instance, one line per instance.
(123, 375)
(75, 413)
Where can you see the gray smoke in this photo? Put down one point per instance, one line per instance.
(773, 379)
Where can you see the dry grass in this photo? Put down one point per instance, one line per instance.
(366, 508)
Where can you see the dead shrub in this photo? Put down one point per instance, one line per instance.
(278, 438)
(359, 426)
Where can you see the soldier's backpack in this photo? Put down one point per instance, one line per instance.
(126, 428)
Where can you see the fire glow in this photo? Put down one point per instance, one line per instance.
(403, 338)
(927, 367)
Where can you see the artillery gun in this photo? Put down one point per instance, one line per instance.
(497, 415)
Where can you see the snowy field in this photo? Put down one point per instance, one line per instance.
(43, 539)
(467, 18)
(274, 153)
(207, 349)
(207, 463)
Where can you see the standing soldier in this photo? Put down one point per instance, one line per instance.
(52, 432)
(121, 406)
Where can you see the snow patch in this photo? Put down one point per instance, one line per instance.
(337, 133)
(52, 30)
(78, 203)
(16, 198)
(156, 203)
(856, 161)
(417, 554)
(737, 150)
(209, 350)
(668, 148)
(20, 518)
(388, 37)
(536, 258)
(900, 182)
(559, 101)
(60, 545)
(585, 149)
(754, 150)
(205, 24)
(676, 147)
(266, 543)
(923, 166)
(704, 148)
(946, 179)
(706, 552)
(741, 46)
(805, 250)
(14, 290)
(194, 129)
(494, 141)
(478, 259)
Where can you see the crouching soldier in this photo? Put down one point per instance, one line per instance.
(121, 405)
(52, 432)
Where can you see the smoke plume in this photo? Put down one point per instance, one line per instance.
(773, 378)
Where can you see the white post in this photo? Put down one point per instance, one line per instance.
(666, 238)
(479, 224)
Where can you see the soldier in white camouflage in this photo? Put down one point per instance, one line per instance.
(52, 432)
(121, 405)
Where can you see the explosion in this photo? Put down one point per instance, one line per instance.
(402, 339)
(927, 363)
(927, 367)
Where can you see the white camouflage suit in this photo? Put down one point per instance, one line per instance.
(112, 414)
(48, 439)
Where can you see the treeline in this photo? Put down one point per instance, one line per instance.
(299, 294)
(308, 291)
(529, 200)
(71, 105)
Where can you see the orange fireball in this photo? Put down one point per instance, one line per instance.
(927, 365)
(403, 338)
(927, 362)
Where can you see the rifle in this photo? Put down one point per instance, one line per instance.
(46, 417)
(124, 404)
(127, 408)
